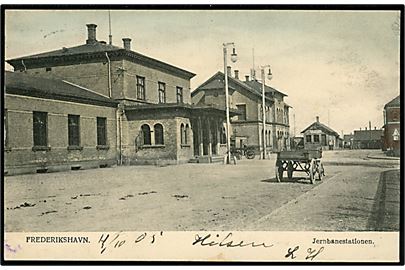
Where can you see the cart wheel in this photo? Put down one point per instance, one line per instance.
(290, 170)
(279, 171)
(320, 170)
(312, 171)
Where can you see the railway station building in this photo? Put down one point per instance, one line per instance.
(98, 104)
(246, 98)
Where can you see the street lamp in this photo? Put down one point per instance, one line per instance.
(269, 76)
(234, 58)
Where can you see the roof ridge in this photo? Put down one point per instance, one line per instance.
(84, 88)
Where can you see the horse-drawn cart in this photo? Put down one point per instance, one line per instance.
(308, 161)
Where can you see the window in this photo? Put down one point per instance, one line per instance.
(101, 131)
(159, 134)
(185, 136)
(146, 134)
(308, 138)
(179, 94)
(40, 128)
(242, 110)
(140, 87)
(316, 138)
(74, 130)
(223, 136)
(162, 92)
(182, 134)
(48, 69)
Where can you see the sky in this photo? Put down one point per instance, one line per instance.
(342, 66)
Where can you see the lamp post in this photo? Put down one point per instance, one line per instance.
(269, 76)
(234, 58)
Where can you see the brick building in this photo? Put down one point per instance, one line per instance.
(367, 139)
(155, 122)
(392, 127)
(246, 98)
(53, 125)
(318, 135)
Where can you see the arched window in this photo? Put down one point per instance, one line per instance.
(186, 134)
(182, 134)
(159, 134)
(146, 134)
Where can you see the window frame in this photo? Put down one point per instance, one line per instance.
(104, 132)
(242, 117)
(140, 88)
(179, 95)
(161, 92)
(146, 135)
(310, 138)
(159, 134)
(74, 139)
(317, 138)
(40, 143)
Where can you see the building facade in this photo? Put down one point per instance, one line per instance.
(367, 139)
(318, 135)
(51, 125)
(245, 97)
(392, 127)
(155, 122)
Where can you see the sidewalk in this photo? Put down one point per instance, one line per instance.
(382, 156)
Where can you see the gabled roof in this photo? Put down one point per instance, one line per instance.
(324, 128)
(21, 83)
(216, 82)
(93, 50)
(258, 87)
(396, 102)
(366, 135)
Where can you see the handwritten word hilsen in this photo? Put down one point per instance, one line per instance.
(117, 240)
(220, 241)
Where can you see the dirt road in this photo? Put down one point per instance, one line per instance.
(195, 197)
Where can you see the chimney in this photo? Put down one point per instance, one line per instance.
(127, 43)
(317, 119)
(91, 33)
(369, 125)
(229, 70)
(236, 74)
(246, 78)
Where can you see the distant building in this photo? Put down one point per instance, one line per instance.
(392, 127)
(318, 135)
(246, 97)
(367, 139)
(348, 141)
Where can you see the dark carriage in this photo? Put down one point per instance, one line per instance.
(303, 160)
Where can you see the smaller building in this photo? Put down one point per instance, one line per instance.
(392, 125)
(318, 135)
(348, 141)
(367, 139)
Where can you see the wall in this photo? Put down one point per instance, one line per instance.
(152, 77)
(93, 76)
(19, 156)
(312, 145)
(392, 122)
(170, 153)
